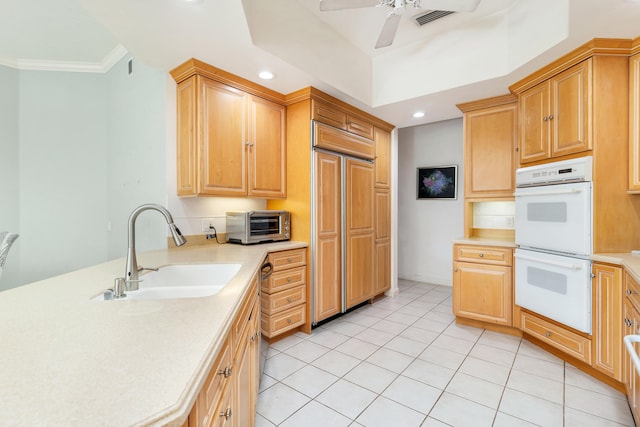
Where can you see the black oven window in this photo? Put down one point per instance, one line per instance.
(265, 226)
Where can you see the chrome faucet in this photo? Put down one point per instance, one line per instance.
(131, 274)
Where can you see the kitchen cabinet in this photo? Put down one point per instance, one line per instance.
(284, 293)
(334, 199)
(345, 119)
(490, 140)
(230, 135)
(382, 278)
(565, 340)
(607, 312)
(634, 123)
(555, 116)
(382, 163)
(483, 283)
(630, 376)
(230, 391)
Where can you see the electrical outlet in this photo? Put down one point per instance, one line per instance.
(207, 223)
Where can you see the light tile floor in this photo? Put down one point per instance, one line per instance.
(404, 362)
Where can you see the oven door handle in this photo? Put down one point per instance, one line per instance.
(549, 192)
(554, 263)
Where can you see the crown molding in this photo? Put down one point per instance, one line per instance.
(112, 58)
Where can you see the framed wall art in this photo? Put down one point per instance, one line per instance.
(438, 182)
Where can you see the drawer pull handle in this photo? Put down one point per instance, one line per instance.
(629, 292)
(289, 299)
(225, 372)
(289, 259)
(288, 279)
(226, 414)
(547, 334)
(288, 320)
(627, 322)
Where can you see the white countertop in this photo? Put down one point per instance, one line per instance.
(68, 361)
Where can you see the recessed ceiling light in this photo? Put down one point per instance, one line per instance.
(418, 114)
(266, 75)
(192, 1)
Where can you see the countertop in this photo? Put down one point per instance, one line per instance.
(67, 360)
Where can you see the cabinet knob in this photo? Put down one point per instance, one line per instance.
(248, 144)
(481, 255)
(455, 270)
(545, 118)
(289, 299)
(288, 279)
(288, 320)
(551, 117)
(289, 259)
(547, 334)
(629, 291)
(225, 372)
(226, 414)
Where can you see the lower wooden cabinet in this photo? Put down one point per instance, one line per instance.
(607, 325)
(631, 326)
(483, 290)
(284, 294)
(230, 392)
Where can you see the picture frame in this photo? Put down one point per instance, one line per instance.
(437, 183)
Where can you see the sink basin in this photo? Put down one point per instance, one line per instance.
(183, 281)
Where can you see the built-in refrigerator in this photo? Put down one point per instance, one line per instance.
(343, 234)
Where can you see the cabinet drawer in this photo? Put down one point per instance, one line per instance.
(484, 254)
(288, 259)
(569, 342)
(632, 290)
(276, 324)
(286, 279)
(280, 301)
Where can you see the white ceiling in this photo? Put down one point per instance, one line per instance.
(459, 58)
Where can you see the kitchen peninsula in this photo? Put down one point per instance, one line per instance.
(69, 360)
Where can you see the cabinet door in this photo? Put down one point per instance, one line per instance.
(383, 241)
(246, 377)
(186, 140)
(223, 140)
(383, 267)
(359, 234)
(328, 231)
(533, 124)
(266, 149)
(607, 312)
(570, 111)
(628, 370)
(634, 123)
(483, 292)
(489, 151)
(382, 161)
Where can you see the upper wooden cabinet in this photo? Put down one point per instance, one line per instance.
(382, 162)
(231, 135)
(490, 135)
(555, 116)
(335, 116)
(634, 122)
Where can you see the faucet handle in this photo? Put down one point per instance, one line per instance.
(118, 288)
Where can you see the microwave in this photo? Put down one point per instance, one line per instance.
(258, 226)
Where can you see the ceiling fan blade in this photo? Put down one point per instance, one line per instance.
(450, 5)
(389, 29)
(346, 4)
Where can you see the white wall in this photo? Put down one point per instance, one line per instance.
(62, 169)
(136, 165)
(427, 227)
(9, 168)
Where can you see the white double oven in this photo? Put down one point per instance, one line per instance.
(553, 227)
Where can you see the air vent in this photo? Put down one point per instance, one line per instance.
(431, 16)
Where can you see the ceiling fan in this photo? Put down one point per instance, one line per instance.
(390, 26)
